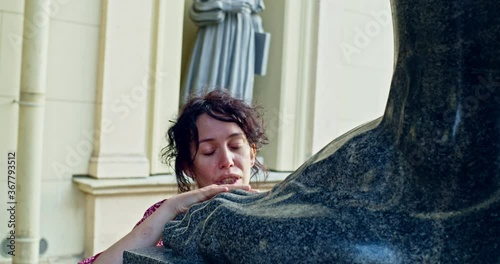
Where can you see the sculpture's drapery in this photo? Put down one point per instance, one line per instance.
(229, 43)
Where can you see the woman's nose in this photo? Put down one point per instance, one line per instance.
(225, 159)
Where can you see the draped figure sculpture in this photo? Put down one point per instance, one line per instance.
(231, 47)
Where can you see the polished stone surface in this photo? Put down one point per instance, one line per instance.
(150, 255)
(153, 255)
(419, 185)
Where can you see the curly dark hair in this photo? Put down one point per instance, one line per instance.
(220, 105)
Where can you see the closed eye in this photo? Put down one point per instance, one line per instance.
(209, 153)
(236, 143)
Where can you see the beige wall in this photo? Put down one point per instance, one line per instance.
(330, 66)
(347, 90)
(69, 113)
(188, 40)
(354, 68)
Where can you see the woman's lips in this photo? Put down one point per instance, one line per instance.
(229, 179)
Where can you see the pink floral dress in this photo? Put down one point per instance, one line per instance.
(148, 212)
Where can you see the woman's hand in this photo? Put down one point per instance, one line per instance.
(180, 203)
(149, 232)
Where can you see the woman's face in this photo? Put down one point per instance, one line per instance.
(224, 155)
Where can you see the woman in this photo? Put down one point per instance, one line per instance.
(214, 143)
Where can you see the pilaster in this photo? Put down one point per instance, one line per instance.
(166, 62)
(124, 81)
(288, 89)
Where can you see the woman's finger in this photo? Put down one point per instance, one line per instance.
(210, 191)
(185, 200)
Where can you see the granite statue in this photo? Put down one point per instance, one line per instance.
(421, 184)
